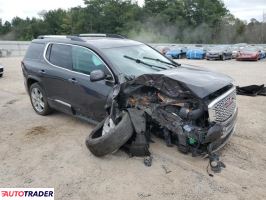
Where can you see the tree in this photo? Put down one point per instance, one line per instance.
(189, 21)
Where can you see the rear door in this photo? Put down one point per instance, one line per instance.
(58, 75)
(31, 64)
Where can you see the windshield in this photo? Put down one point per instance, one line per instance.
(197, 48)
(250, 49)
(218, 48)
(124, 59)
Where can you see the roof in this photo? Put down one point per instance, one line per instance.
(98, 42)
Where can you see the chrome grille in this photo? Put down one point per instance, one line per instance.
(223, 107)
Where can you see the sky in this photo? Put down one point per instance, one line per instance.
(243, 9)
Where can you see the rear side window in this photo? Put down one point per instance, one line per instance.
(60, 55)
(35, 51)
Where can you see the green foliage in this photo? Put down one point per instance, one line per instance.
(187, 21)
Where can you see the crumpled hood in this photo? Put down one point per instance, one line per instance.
(200, 81)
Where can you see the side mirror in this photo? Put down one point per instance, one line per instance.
(97, 75)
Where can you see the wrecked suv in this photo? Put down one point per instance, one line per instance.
(130, 91)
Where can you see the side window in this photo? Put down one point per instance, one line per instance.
(85, 61)
(60, 55)
(35, 51)
(48, 52)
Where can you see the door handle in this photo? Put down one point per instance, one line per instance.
(73, 80)
(42, 71)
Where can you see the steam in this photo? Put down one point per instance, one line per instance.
(8, 36)
(156, 31)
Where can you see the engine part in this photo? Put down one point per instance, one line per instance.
(167, 138)
(148, 161)
(215, 163)
(213, 133)
(139, 144)
(185, 113)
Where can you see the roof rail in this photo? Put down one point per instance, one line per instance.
(101, 35)
(71, 37)
(80, 36)
(51, 36)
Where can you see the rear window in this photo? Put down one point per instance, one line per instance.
(61, 55)
(35, 51)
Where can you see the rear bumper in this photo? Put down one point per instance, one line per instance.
(227, 132)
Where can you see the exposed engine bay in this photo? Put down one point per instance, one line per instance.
(158, 105)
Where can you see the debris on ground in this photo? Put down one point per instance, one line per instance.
(166, 170)
(251, 90)
(148, 161)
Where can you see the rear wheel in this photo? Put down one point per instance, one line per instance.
(39, 100)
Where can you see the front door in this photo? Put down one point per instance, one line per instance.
(88, 98)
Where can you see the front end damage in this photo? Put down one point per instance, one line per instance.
(160, 105)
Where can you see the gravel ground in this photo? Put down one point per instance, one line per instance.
(38, 151)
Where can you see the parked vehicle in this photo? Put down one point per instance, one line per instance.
(133, 91)
(162, 49)
(219, 53)
(235, 51)
(249, 53)
(1, 70)
(196, 53)
(262, 52)
(240, 45)
(176, 52)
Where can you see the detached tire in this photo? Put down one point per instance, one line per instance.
(101, 145)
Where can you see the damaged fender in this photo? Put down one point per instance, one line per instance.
(174, 110)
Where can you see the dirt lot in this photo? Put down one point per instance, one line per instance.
(49, 151)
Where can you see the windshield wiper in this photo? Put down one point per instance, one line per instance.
(144, 63)
(161, 61)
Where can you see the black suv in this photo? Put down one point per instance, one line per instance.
(91, 77)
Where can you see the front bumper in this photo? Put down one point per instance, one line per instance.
(213, 57)
(227, 132)
(247, 57)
